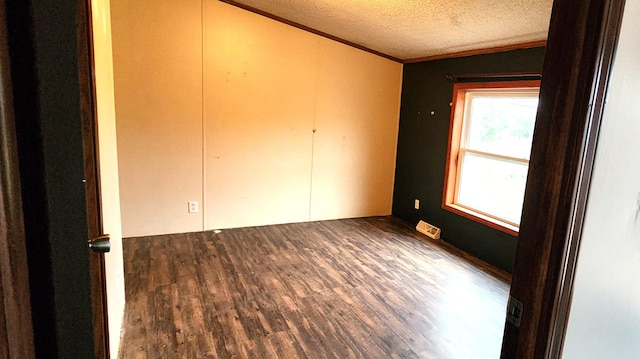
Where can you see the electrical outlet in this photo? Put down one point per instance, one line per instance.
(193, 206)
(416, 203)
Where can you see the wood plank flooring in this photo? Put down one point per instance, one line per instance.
(353, 288)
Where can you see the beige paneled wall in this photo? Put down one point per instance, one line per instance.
(265, 87)
(157, 48)
(259, 98)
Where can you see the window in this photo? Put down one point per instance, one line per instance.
(489, 146)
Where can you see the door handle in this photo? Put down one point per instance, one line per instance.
(100, 244)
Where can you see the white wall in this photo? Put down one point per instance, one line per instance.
(107, 145)
(218, 104)
(604, 320)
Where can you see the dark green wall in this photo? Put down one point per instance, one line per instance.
(422, 149)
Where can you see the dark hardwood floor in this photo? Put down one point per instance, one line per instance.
(353, 288)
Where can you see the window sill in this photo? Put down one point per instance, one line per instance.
(480, 218)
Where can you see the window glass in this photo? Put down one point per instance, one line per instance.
(491, 186)
(502, 123)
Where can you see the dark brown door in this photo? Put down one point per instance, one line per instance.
(16, 332)
(580, 47)
(92, 177)
(56, 152)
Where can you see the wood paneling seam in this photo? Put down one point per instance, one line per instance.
(203, 193)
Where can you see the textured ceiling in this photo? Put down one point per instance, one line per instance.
(410, 29)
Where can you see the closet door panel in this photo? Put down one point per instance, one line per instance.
(357, 128)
